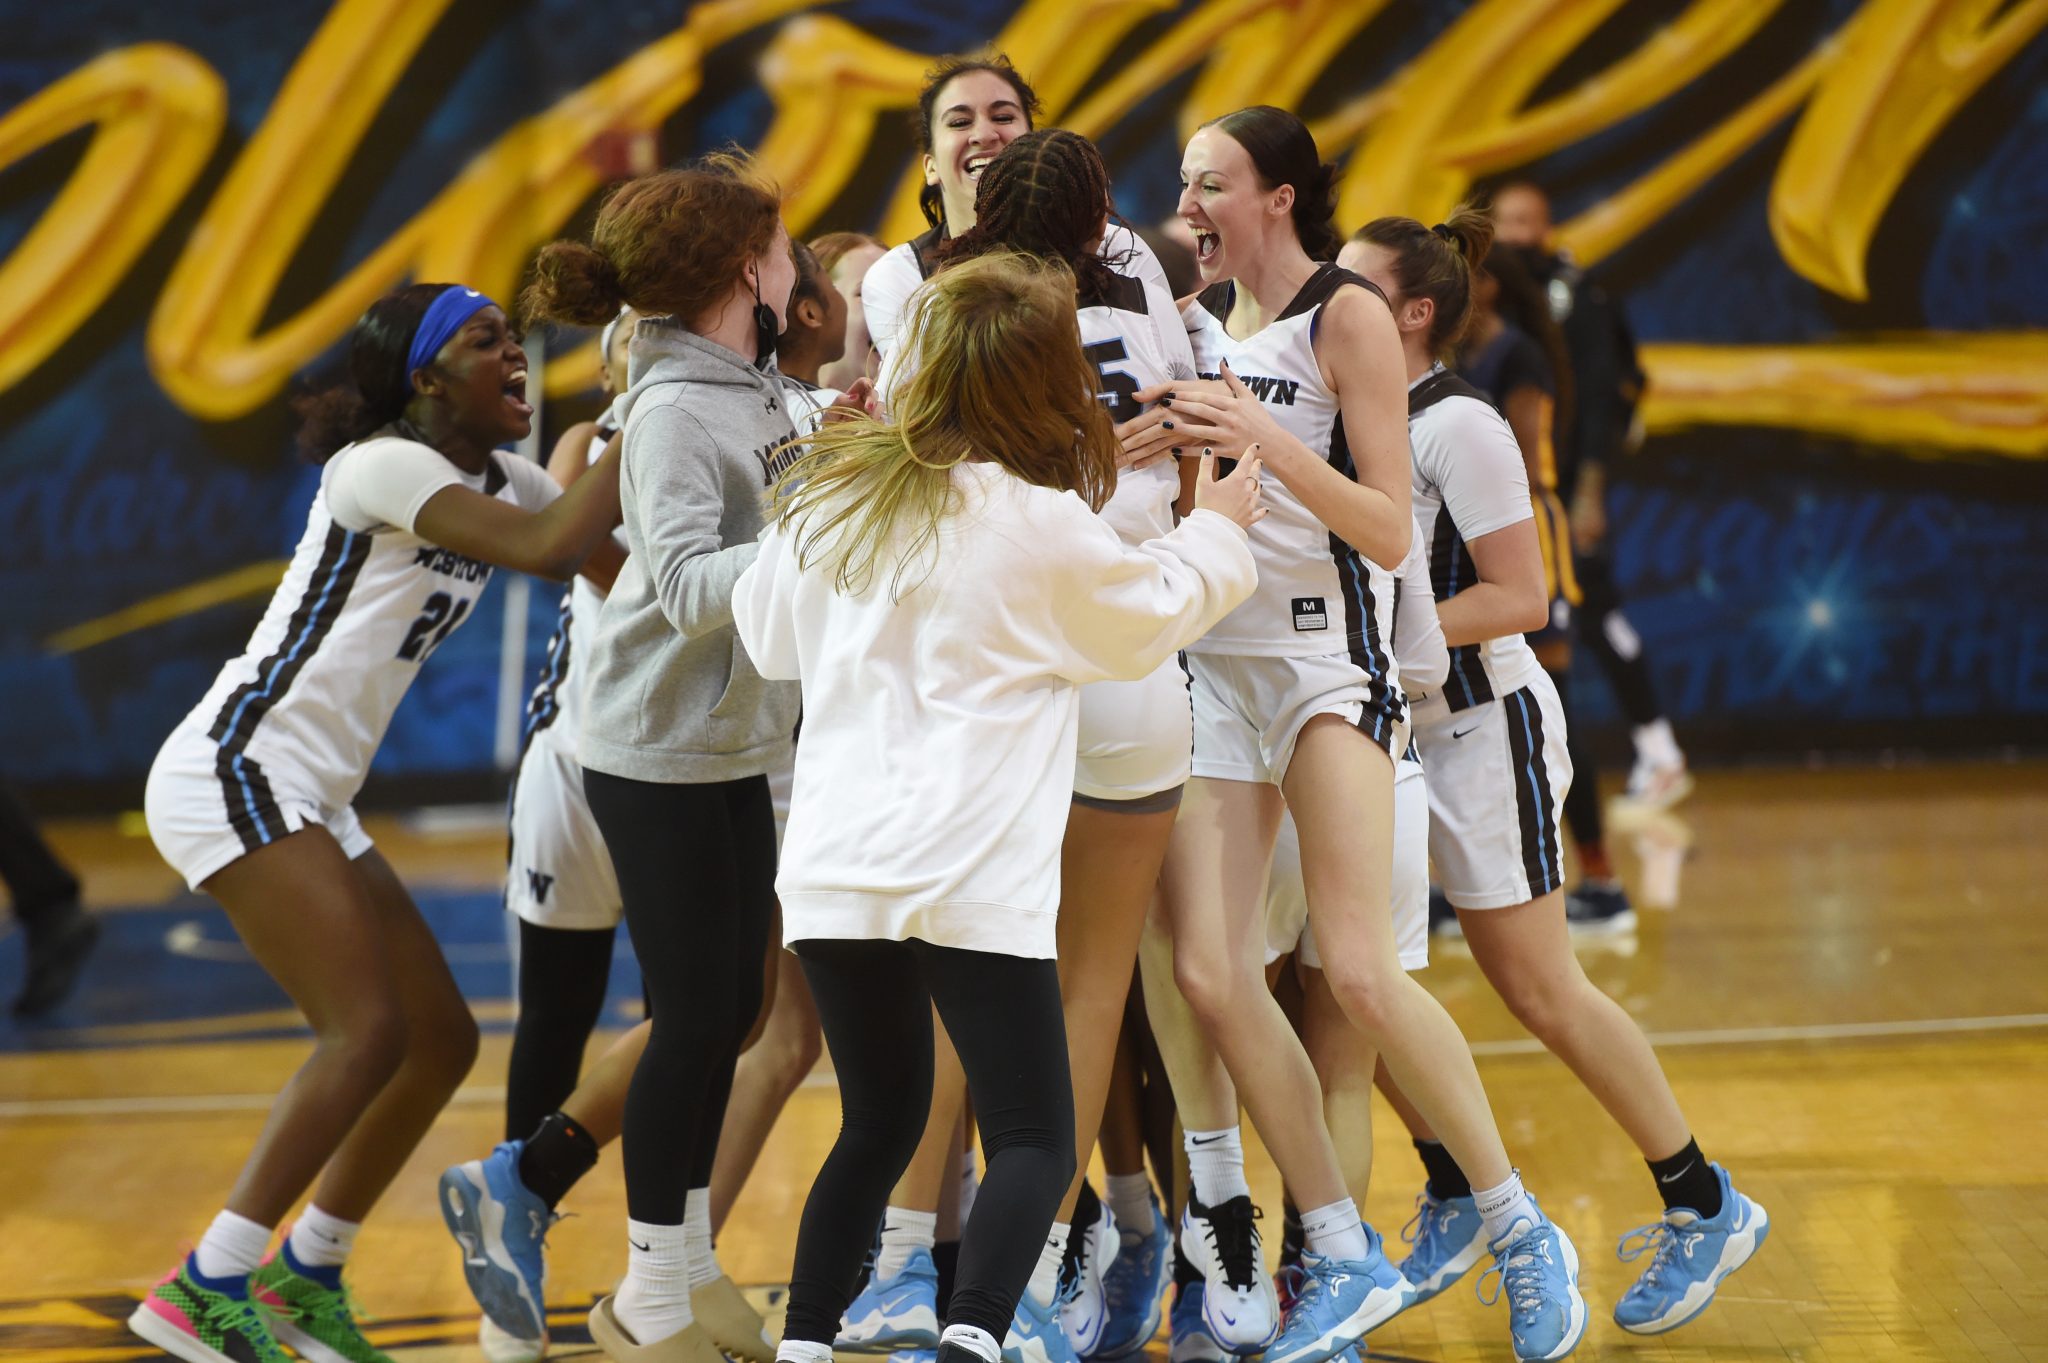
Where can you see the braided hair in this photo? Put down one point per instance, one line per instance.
(1045, 194)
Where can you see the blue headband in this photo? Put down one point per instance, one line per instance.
(445, 316)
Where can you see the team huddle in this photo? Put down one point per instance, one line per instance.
(1052, 697)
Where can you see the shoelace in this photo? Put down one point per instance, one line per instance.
(1234, 1239)
(1418, 1223)
(250, 1319)
(1660, 1239)
(1520, 1276)
(1291, 1283)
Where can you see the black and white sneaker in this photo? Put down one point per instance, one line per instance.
(1599, 908)
(1238, 1302)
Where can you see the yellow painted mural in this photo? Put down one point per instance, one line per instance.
(1865, 105)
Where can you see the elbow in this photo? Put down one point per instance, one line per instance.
(1534, 611)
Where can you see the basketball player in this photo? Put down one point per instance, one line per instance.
(942, 590)
(846, 257)
(250, 799)
(1296, 693)
(1494, 745)
(679, 730)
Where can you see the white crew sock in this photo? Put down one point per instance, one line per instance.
(703, 1260)
(1335, 1232)
(1502, 1206)
(231, 1248)
(1130, 1201)
(1045, 1279)
(654, 1300)
(802, 1351)
(903, 1230)
(970, 1184)
(1657, 745)
(323, 1240)
(1216, 1165)
(975, 1340)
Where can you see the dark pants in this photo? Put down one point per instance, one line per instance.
(36, 881)
(1003, 1015)
(696, 868)
(563, 975)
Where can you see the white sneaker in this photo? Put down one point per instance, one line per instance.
(1238, 1302)
(1658, 785)
(1084, 1310)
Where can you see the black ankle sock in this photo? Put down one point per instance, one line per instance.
(1446, 1179)
(557, 1154)
(1687, 1180)
(946, 1258)
(1292, 1238)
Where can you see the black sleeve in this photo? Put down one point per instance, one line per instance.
(1525, 365)
(1604, 369)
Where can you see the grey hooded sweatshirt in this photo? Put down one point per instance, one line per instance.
(671, 696)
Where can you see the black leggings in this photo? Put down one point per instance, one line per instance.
(1003, 1014)
(1605, 633)
(696, 866)
(1582, 813)
(563, 975)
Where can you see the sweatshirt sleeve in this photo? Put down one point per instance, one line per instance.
(1124, 611)
(1419, 648)
(764, 608)
(677, 490)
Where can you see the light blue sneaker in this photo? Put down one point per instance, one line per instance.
(1690, 1254)
(1188, 1336)
(901, 1313)
(502, 1230)
(1036, 1335)
(1133, 1288)
(1449, 1237)
(1539, 1272)
(1338, 1302)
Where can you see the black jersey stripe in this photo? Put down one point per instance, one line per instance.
(1364, 641)
(495, 476)
(327, 590)
(544, 706)
(1542, 855)
(251, 806)
(1450, 572)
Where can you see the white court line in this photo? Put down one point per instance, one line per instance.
(487, 1093)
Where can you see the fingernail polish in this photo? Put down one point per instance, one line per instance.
(1176, 449)
(1166, 425)
(1166, 401)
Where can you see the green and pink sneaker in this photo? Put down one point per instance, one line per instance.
(206, 1320)
(310, 1310)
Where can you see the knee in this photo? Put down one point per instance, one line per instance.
(1540, 1003)
(444, 1049)
(370, 1042)
(1212, 984)
(1368, 993)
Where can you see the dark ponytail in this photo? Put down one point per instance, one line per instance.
(1047, 195)
(379, 385)
(1283, 151)
(1436, 263)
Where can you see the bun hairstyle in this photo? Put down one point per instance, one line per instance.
(379, 384)
(1283, 151)
(1436, 263)
(1047, 195)
(930, 200)
(669, 244)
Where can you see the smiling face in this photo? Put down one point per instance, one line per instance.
(976, 115)
(1224, 205)
(479, 375)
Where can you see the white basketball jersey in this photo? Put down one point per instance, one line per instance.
(554, 712)
(300, 713)
(1136, 341)
(1317, 595)
(1469, 482)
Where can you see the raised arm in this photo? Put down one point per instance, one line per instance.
(552, 542)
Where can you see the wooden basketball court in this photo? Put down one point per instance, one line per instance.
(1850, 994)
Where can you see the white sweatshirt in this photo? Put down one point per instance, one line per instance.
(936, 761)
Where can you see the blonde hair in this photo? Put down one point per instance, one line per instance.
(996, 372)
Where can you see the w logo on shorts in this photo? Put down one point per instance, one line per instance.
(539, 885)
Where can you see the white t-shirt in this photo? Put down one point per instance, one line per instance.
(363, 603)
(1469, 482)
(937, 760)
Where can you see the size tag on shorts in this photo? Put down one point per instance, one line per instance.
(1309, 614)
